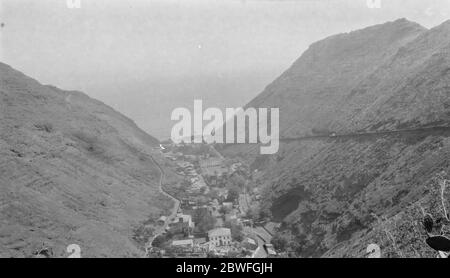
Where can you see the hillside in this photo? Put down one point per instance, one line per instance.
(72, 171)
(329, 192)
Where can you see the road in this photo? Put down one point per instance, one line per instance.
(213, 149)
(262, 237)
(174, 210)
(244, 206)
(260, 252)
(362, 135)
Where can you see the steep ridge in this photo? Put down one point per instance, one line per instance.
(386, 77)
(72, 171)
(311, 93)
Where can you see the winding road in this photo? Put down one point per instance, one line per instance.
(173, 213)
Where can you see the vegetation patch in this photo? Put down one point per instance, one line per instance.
(46, 127)
(289, 202)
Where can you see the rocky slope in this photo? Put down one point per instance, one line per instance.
(329, 192)
(72, 171)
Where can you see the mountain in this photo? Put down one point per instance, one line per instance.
(330, 193)
(72, 171)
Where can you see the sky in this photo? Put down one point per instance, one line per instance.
(146, 57)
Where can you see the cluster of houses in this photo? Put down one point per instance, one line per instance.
(186, 241)
(213, 167)
(187, 169)
(218, 242)
(220, 239)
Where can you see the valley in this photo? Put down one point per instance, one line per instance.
(363, 159)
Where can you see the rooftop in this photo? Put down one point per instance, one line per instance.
(219, 232)
(182, 242)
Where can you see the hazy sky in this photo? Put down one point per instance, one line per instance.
(146, 57)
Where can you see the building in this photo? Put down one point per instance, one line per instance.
(213, 167)
(162, 220)
(227, 205)
(222, 193)
(211, 162)
(184, 218)
(231, 217)
(199, 241)
(182, 224)
(184, 243)
(220, 237)
(249, 244)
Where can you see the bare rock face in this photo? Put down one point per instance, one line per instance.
(72, 171)
(394, 76)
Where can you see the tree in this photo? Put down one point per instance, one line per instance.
(264, 214)
(253, 213)
(203, 220)
(159, 241)
(279, 242)
(224, 210)
(213, 194)
(233, 194)
(238, 180)
(236, 230)
(211, 254)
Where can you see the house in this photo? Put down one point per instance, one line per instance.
(199, 241)
(184, 243)
(231, 217)
(222, 193)
(249, 244)
(214, 203)
(247, 222)
(211, 162)
(235, 167)
(220, 237)
(219, 222)
(213, 167)
(188, 203)
(182, 224)
(214, 211)
(194, 179)
(184, 218)
(179, 228)
(227, 205)
(162, 220)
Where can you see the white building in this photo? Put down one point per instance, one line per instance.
(220, 237)
(228, 205)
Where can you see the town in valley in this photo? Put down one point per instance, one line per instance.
(216, 207)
